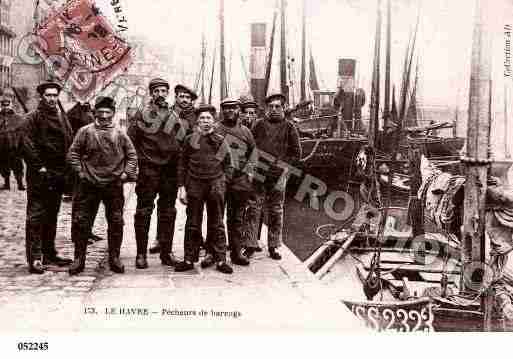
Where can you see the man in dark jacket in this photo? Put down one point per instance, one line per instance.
(240, 188)
(182, 111)
(103, 157)
(205, 168)
(45, 144)
(277, 139)
(10, 137)
(157, 134)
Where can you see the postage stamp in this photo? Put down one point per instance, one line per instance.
(80, 47)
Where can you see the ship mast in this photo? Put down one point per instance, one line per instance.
(283, 52)
(477, 156)
(386, 110)
(270, 54)
(223, 83)
(374, 105)
(303, 56)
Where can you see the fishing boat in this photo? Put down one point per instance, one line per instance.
(441, 263)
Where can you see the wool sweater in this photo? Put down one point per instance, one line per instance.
(101, 155)
(279, 139)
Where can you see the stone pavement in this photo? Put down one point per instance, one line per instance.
(267, 295)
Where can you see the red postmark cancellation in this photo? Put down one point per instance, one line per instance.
(81, 49)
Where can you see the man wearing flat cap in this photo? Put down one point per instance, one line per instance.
(278, 139)
(249, 111)
(205, 168)
(11, 126)
(183, 112)
(47, 137)
(240, 188)
(103, 157)
(157, 134)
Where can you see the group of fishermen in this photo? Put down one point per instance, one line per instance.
(233, 162)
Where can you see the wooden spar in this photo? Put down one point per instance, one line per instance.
(223, 83)
(407, 75)
(386, 109)
(270, 56)
(314, 84)
(203, 64)
(477, 156)
(212, 77)
(411, 113)
(374, 105)
(283, 52)
(303, 56)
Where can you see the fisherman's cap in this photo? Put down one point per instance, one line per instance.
(183, 88)
(47, 85)
(248, 104)
(206, 108)
(276, 96)
(105, 102)
(157, 82)
(230, 102)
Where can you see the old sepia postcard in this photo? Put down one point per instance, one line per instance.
(244, 165)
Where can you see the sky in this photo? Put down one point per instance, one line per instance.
(335, 29)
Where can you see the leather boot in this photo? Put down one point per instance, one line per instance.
(155, 248)
(165, 232)
(114, 243)
(80, 258)
(7, 184)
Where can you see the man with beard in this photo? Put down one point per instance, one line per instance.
(276, 138)
(10, 136)
(182, 111)
(46, 141)
(103, 157)
(240, 189)
(157, 133)
(205, 169)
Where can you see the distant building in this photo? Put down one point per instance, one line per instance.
(25, 75)
(7, 44)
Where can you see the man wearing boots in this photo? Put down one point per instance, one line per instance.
(103, 157)
(205, 168)
(46, 140)
(10, 136)
(157, 135)
(240, 188)
(182, 111)
(277, 137)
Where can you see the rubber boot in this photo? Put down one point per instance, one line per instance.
(142, 227)
(80, 258)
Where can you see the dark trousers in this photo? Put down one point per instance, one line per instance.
(14, 163)
(86, 202)
(43, 203)
(210, 193)
(155, 180)
(270, 202)
(237, 204)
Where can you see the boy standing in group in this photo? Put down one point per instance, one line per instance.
(205, 168)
